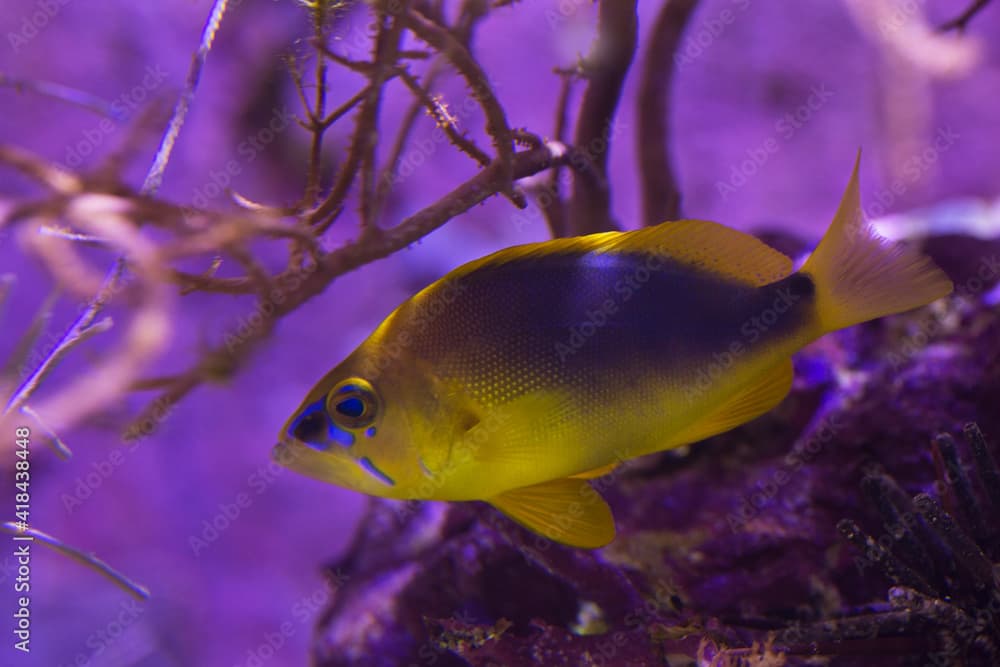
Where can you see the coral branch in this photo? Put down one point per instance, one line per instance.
(136, 590)
(219, 361)
(441, 118)
(660, 194)
(75, 336)
(57, 444)
(550, 199)
(988, 469)
(155, 175)
(58, 91)
(464, 30)
(385, 48)
(317, 125)
(605, 68)
(961, 22)
(147, 333)
(482, 89)
(72, 216)
(58, 180)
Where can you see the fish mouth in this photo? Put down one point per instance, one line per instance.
(283, 453)
(339, 469)
(299, 457)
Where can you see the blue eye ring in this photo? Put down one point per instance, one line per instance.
(352, 404)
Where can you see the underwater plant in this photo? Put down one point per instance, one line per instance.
(943, 563)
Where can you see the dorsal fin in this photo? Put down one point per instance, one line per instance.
(698, 243)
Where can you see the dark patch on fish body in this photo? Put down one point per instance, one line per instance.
(799, 284)
(576, 320)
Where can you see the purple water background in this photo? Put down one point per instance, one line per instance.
(260, 577)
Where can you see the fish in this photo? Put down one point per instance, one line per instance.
(520, 377)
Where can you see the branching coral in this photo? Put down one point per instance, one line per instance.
(962, 21)
(98, 209)
(942, 562)
(148, 243)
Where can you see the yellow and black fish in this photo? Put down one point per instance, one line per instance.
(518, 376)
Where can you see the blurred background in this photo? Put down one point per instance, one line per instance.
(769, 104)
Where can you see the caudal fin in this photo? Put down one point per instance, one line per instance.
(861, 276)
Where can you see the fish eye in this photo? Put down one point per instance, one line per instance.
(352, 403)
(352, 407)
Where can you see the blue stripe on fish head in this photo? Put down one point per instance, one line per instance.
(315, 428)
(375, 472)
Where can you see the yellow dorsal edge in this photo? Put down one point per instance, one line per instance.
(697, 243)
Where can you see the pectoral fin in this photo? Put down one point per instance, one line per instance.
(509, 433)
(750, 402)
(597, 472)
(442, 434)
(563, 510)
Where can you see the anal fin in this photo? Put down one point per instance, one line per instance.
(563, 510)
(749, 403)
